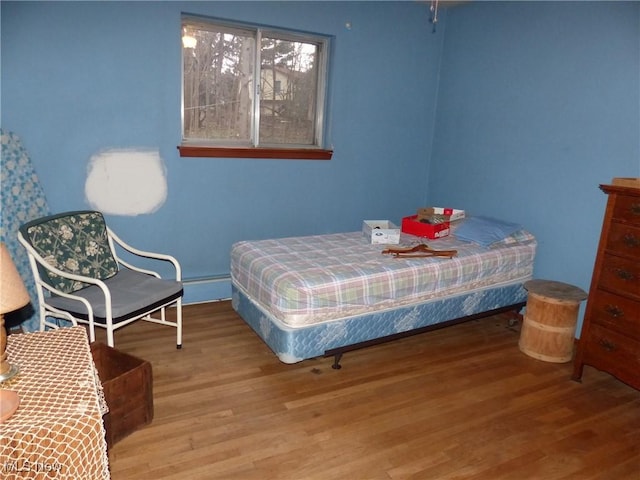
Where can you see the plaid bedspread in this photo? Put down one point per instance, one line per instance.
(306, 280)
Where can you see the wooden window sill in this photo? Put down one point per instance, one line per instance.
(280, 153)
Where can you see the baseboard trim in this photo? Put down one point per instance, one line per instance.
(206, 289)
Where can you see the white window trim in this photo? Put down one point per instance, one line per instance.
(226, 148)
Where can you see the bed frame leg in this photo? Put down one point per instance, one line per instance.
(515, 318)
(336, 361)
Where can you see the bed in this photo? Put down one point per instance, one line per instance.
(324, 295)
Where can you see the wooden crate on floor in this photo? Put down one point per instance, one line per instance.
(128, 389)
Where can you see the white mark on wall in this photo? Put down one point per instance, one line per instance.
(126, 181)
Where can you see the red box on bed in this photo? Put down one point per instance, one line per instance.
(412, 226)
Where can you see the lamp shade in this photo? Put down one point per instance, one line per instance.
(13, 294)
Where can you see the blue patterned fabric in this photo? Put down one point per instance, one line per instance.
(74, 242)
(22, 199)
(293, 345)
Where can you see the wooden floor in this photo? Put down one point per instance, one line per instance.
(458, 403)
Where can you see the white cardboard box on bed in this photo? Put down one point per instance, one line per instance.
(381, 232)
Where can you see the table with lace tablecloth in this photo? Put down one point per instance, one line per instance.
(57, 431)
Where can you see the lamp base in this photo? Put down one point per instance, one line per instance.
(9, 402)
(12, 372)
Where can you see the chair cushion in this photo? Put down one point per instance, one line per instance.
(132, 293)
(74, 242)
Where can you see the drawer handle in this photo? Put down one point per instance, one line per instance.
(635, 208)
(607, 345)
(631, 240)
(624, 274)
(613, 310)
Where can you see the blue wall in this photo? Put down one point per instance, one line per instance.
(539, 103)
(80, 77)
(517, 109)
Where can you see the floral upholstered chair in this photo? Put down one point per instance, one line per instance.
(80, 277)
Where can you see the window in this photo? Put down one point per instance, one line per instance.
(249, 91)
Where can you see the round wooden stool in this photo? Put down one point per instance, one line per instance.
(549, 325)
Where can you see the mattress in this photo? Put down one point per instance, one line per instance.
(292, 345)
(303, 281)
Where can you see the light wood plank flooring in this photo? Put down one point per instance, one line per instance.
(458, 403)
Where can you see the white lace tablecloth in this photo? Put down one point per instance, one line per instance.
(57, 431)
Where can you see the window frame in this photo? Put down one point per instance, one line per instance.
(253, 148)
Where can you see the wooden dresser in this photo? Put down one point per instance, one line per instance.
(610, 338)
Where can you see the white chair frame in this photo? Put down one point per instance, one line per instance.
(46, 310)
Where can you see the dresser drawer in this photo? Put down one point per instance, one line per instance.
(620, 275)
(616, 313)
(624, 239)
(613, 353)
(627, 208)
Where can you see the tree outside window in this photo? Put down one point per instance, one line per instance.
(236, 94)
